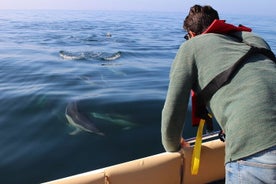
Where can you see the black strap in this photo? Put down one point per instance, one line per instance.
(225, 77)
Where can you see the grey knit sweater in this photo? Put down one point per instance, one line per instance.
(245, 108)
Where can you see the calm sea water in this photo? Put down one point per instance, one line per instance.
(114, 65)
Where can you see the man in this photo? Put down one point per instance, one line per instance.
(245, 107)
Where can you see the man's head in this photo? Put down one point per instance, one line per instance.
(199, 19)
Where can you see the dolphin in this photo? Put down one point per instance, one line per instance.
(70, 56)
(80, 121)
(114, 56)
(116, 119)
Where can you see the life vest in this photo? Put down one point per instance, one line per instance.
(199, 110)
(200, 114)
(221, 27)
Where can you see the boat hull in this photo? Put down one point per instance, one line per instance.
(163, 168)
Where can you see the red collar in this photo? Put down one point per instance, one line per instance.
(219, 26)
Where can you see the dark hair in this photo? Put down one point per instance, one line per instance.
(200, 18)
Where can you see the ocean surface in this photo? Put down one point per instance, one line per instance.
(113, 67)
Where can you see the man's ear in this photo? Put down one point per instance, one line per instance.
(192, 34)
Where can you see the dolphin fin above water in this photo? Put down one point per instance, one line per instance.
(80, 121)
(101, 56)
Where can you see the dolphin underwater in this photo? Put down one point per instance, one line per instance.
(115, 119)
(80, 121)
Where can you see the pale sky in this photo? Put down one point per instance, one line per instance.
(264, 7)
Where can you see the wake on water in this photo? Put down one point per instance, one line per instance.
(101, 56)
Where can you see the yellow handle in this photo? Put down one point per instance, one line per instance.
(197, 149)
